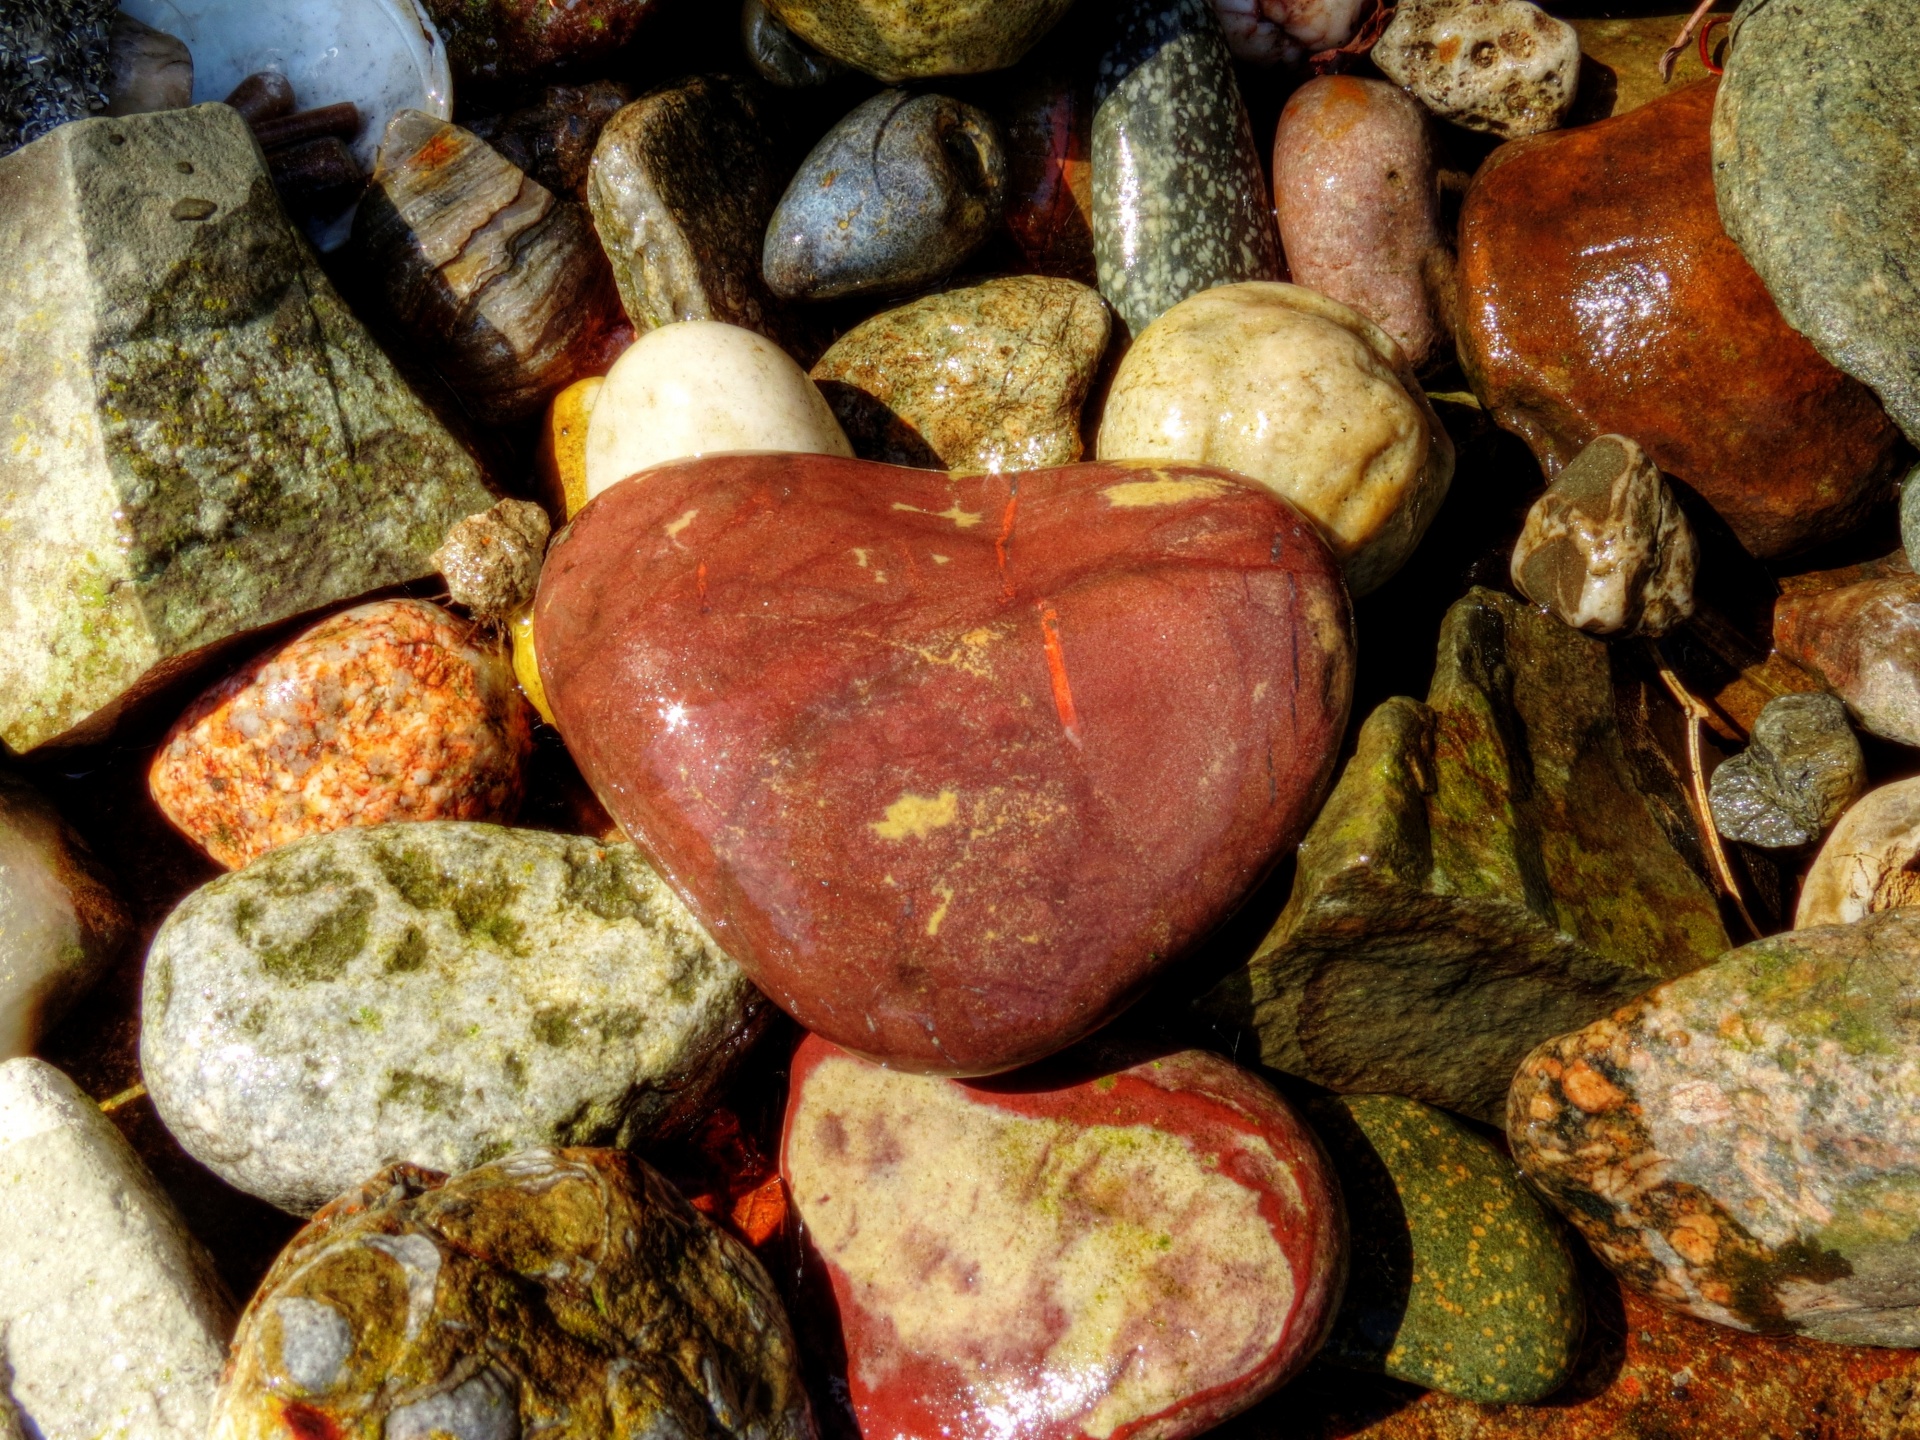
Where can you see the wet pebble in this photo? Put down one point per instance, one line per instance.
(1799, 772)
(1503, 66)
(1863, 640)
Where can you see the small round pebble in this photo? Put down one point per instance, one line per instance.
(391, 711)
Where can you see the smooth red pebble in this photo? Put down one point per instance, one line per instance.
(391, 711)
(952, 764)
(1135, 1253)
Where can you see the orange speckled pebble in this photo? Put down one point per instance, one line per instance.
(388, 711)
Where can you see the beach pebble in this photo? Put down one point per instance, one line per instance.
(1503, 66)
(1870, 863)
(1800, 771)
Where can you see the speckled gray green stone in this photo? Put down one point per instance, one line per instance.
(1799, 773)
(1458, 1279)
(1179, 202)
(201, 438)
(1495, 866)
(1816, 163)
(434, 992)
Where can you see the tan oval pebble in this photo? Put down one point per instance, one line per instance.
(1300, 393)
(1870, 863)
(701, 388)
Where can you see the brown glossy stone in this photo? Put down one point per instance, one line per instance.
(1121, 1249)
(952, 764)
(1863, 640)
(1598, 293)
(1047, 123)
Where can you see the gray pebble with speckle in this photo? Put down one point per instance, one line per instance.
(1179, 202)
(1800, 773)
(437, 992)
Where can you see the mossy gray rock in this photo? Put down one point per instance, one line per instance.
(1815, 129)
(1459, 1278)
(555, 1293)
(1497, 865)
(1741, 1144)
(202, 438)
(437, 992)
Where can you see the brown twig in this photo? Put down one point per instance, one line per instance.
(1680, 41)
(1697, 715)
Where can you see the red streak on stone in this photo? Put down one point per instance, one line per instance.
(306, 1423)
(1005, 539)
(700, 583)
(1057, 672)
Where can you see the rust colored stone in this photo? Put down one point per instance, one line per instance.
(1863, 640)
(389, 711)
(1599, 293)
(952, 764)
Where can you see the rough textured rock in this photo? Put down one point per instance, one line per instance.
(491, 561)
(557, 1288)
(499, 283)
(1741, 1143)
(683, 184)
(219, 446)
(1801, 770)
(1046, 121)
(61, 924)
(913, 42)
(1122, 684)
(496, 42)
(553, 139)
(1494, 866)
(1146, 1250)
(435, 993)
(1359, 205)
(1503, 66)
(115, 1322)
(1814, 137)
(781, 57)
(1607, 548)
(990, 377)
(1863, 640)
(698, 387)
(1598, 293)
(388, 711)
(894, 196)
(53, 66)
(1870, 863)
(1300, 393)
(1179, 200)
(1460, 1281)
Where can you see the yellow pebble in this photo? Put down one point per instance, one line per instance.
(560, 465)
(526, 666)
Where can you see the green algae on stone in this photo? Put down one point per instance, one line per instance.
(1743, 1143)
(568, 1292)
(203, 440)
(1500, 864)
(1815, 130)
(436, 991)
(922, 38)
(1459, 1279)
(990, 377)
(1179, 201)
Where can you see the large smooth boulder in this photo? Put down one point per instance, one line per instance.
(438, 993)
(203, 440)
(1496, 865)
(952, 764)
(1143, 1248)
(1598, 294)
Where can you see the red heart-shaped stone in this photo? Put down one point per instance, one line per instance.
(952, 764)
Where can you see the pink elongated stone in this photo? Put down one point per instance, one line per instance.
(388, 711)
(1142, 1252)
(953, 765)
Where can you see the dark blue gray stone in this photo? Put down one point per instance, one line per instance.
(1816, 164)
(1179, 201)
(896, 196)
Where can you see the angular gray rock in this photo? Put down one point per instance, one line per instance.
(61, 924)
(1607, 548)
(115, 1324)
(1815, 130)
(437, 992)
(1802, 769)
(202, 438)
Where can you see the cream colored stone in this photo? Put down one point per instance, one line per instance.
(1871, 861)
(702, 388)
(1300, 393)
